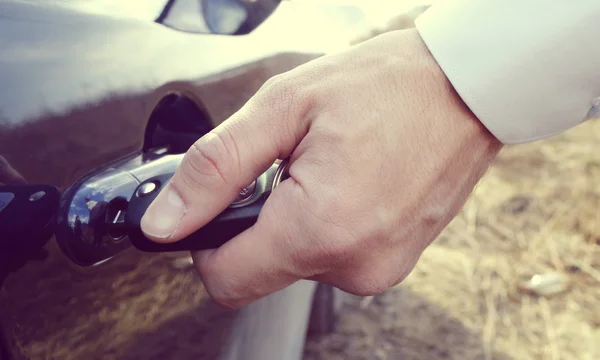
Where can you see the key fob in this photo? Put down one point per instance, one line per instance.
(224, 227)
(239, 216)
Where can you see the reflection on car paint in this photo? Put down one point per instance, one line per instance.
(78, 89)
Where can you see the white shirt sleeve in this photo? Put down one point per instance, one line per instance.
(527, 69)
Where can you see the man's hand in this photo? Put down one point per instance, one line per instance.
(383, 155)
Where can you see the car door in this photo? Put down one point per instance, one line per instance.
(92, 103)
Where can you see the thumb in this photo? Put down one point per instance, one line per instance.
(222, 162)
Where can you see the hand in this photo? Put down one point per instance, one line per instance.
(8, 175)
(384, 153)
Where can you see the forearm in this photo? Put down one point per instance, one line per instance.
(527, 69)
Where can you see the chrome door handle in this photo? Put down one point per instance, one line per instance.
(99, 216)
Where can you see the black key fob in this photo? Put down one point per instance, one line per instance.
(241, 215)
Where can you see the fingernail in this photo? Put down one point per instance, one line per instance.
(164, 214)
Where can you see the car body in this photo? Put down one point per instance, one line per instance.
(88, 97)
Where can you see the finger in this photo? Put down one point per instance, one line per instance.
(372, 275)
(259, 261)
(8, 175)
(222, 162)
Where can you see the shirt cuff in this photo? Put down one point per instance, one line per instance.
(527, 70)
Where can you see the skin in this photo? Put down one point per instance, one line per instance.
(384, 154)
(8, 175)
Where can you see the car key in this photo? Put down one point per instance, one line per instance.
(239, 216)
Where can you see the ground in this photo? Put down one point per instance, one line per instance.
(534, 213)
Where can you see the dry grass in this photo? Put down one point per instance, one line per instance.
(535, 212)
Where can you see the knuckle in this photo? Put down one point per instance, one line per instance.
(223, 290)
(376, 275)
(402, 276)
(369, 284)
(278, 94)
(274, 84)
(224, 296)
(287, 96)
(270, 81)
(206, 162)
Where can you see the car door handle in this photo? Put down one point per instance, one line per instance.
(99, 215)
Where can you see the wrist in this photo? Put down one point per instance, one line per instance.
(465, 123)
(442, 111)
